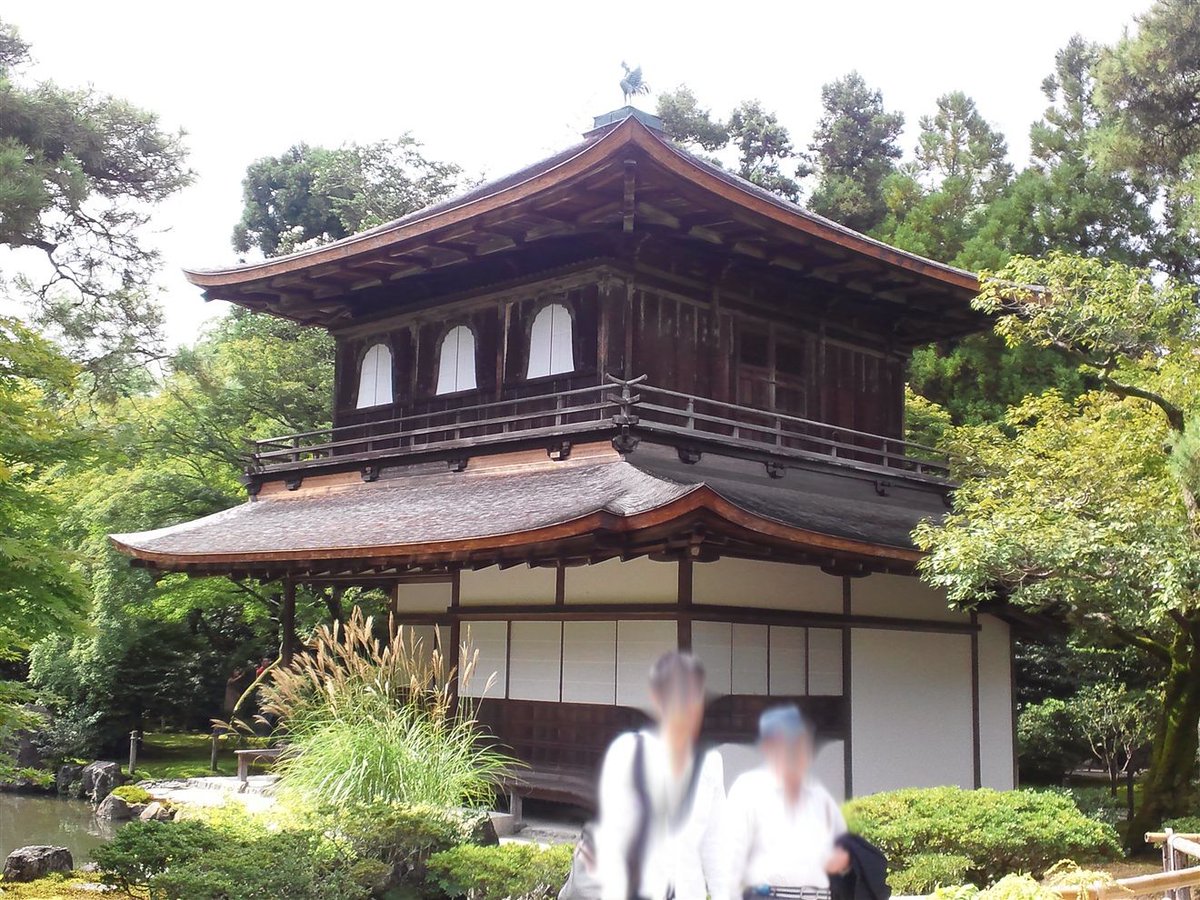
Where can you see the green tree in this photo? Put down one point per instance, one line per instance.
(1117, 724)
(684, 120)
(764, 147)
(1065, 200)
(1088, 507)
(1148, 86)
(935, 204)
(160, 649)
(313, 195)
(854, 148)
(79, 173)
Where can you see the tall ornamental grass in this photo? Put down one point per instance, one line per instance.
(370, 721)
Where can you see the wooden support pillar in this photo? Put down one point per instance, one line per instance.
(287, 622)
(454, 651)
(685, 604)
(847, 689)
(976, 742)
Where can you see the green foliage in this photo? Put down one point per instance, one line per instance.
(1099, 803)
(853, 150)
(926, 872)
(999, 831)
(312, 195)
(687, 123)
(195, 860)
(371, 721)
(404, 837)
(518, 871)
(132, 793)
(141, 850)
(763, 146)
(81, 170)
(1184, 824)
(1049, 741)
(161, 650)
(977, 379)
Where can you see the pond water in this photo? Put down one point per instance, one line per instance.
(37, 819)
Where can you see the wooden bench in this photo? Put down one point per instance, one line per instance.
(562, 784)
(246, 757)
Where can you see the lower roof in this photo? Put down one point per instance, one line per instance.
(524, 506)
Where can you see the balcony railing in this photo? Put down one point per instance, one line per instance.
(618, 407)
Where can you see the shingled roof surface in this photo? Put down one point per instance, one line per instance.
(426, 510)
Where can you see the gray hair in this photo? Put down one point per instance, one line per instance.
(675, 672)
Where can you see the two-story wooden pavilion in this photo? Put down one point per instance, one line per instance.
(618, 402)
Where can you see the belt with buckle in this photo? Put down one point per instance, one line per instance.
(787, 893)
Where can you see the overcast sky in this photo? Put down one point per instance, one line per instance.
(494, 86)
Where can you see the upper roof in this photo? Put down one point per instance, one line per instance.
(623, 176)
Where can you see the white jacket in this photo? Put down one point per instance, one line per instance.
(684, 855)
(773, 842)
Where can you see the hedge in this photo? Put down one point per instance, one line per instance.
(517, 871)
(998, 831)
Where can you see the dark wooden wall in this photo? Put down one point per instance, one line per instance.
(623, 326)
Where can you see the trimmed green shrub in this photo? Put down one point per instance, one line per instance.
(131, 793)
(405, 837)
(926, 872)
(287, 864)
(517, 871)
(194, 860)
(141, 850)
(999, 831)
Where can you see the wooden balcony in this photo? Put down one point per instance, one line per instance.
(622, 409)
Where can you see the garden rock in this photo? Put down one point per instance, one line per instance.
(478, 826)
(32, 863)
(117, 809)
(155, 812)
(67, 777)
(99, 778)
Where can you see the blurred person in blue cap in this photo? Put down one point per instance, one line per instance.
(662, 798)
(781, 823)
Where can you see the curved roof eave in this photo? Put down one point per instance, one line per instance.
(568, 164)
(699, 499)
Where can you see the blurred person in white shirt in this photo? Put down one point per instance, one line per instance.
(662, 798)
(781, 823)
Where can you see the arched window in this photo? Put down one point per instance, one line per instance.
(375, 377)
(456, 363)
(550, 346)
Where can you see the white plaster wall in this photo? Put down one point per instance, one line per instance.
(787, 661)
(768, 585)
(996, 751)
(903, 596)
(825, 662)
(589, 662)
(517, 585)
(750, 655)
(639, 644)
(535, 658)
(712, 644)
(490, 641)
(910, 709)
(423, 597)
(640, 580)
